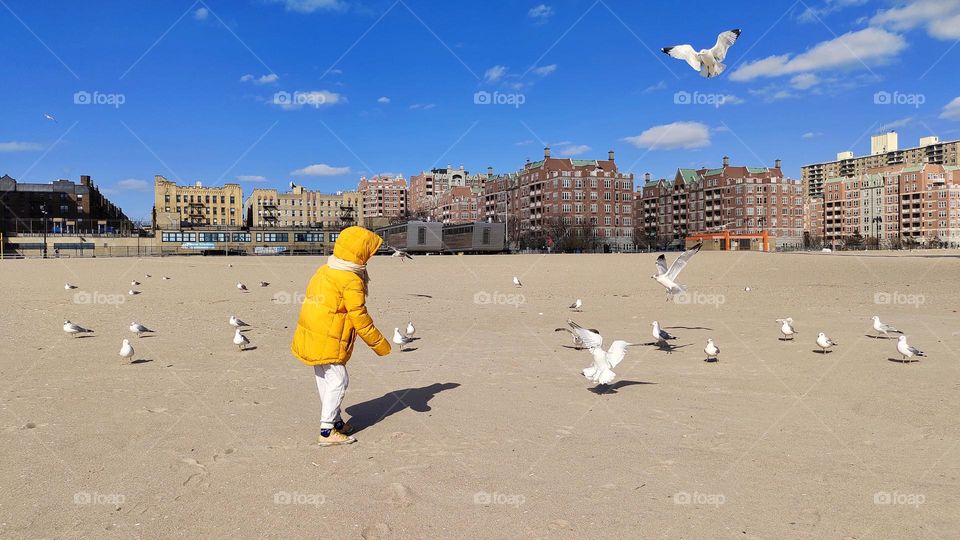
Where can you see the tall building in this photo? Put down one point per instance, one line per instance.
(382, 199)
(428, 186)
(458, 204)
(61, 206)
(736, 199)
(561, 200)
(301, 207)
(884, 153)
(196, 205)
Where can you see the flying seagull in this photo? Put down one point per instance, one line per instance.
(576, 305)
(516, 282)
(577, 331)
(139, 329)
(905, 350)
(709, 62)
(667, 277)
(824, 342)
(601, 372)
(712, 350)
(49, 117)
(400, 339)
(126, 350)
(237, 323)
(786, 328)
(74, 329)
(400, 253)
(660, 335)
(240, 340)
(882, 328)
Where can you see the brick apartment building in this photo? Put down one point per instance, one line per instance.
(563, 202)
(61, 206)
(382, 199)
(301, 207)
(736, 199)
(197, 205)
(427, 187)
(458, 204)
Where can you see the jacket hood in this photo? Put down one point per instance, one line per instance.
(357, 245)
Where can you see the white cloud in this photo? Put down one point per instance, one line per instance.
(662, 85)
(952, 110)
(301, 98)
(524, 142)
(543, 71)
(201, 14)
(422, 106)
(14, 146)
(729, 99)
(811, 135)
(320, 169)
(269, 78)
(134, 184)
(804, 81)
(672, 136)
(941, 18)
(540, 13)
(815, 13)
(853, 49)
(898, 123)
(494, 74)
(311, 6)
(251, 178)
(573, 150)
(383, 100)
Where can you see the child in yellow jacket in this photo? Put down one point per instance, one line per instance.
(333, 315)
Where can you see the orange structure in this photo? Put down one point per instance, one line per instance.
(727, 241)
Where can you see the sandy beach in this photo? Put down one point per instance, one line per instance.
(486, 429)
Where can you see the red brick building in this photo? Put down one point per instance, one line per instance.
(427, 187)
(563, 203)
(458, 204)
(382, 199)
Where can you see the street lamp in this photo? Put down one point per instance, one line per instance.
(878, 220)
(43, 212)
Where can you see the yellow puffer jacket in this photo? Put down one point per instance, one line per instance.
(334, 311)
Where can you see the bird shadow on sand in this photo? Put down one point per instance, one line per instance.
(818, 351)
(141, 361)
(874, 336)
(85, 336)
(147, 336)
(902, 361)
(420, 295)
(784, 339)
(602, 389)
(368, 413)
(245, 349)
(667, 347)
(409, 349)
(687, 328)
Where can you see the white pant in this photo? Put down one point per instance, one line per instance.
(332, 381)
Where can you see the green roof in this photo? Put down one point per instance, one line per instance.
(583, 162)
(712, 172)
(757, 170)
(536, 164)
(834, 180)
(651, 183)
(913, 168)
(689, 175)
(951, 168)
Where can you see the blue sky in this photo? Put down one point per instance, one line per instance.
(198, 90)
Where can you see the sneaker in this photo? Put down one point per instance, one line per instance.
(343, 427)
(332, 437)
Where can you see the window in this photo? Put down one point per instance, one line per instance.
(308, 237)
(421, 236)
(241, 237)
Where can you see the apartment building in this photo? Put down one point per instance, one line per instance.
(428, 186)
(301, 207)
(382, 199)
(196, 205)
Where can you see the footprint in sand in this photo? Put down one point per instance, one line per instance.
(397, 494)
(201, 474)
(558, 524)
(377, 531)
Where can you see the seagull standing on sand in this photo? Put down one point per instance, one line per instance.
(132, 292)
(576, 305)
(126, 350)
(667, 277)
(240, 340)
(400, 339)
(516, 282)
(824, 342)
(906, 351)
(237, 323)
(166, 278)
(660, 335)
(786, 328)
(712, 350)
(882, 328)
(139, 329)
(264, 283)
(709, 62)
(601, 372)
(68, 286)
(241, 286)
(134, 283)
(74, 329)
(410, 329)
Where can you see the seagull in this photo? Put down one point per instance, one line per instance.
(400, 253)
(75, 329)
(241, 286)
(264, 283)
(237, 323)
(134, 283)
(132, 292)
(786, 328)
(126, 350)
(824, 342)
(240, 340)
(905, 350)
(166, 278)
(576, 305)
(139, 329)
(49, 117)
(576, 331)
(516, 282)
(712, 350)
(292, 185)
(147, 276)
(68, 286)
(400, 339)
(882, 328)
(601, 372)
(661, 335)
(666, 276)
(410, 329)
(709, 62)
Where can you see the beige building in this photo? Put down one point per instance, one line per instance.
(196, 205)
(884, 153)
(301, 208)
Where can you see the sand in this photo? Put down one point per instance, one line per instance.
(486, 429)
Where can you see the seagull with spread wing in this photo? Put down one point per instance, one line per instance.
(709, 62)
(400, 253)
(667, 277)
(601, 372)
(573, 331)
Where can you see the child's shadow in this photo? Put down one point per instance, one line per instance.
(368, 413)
